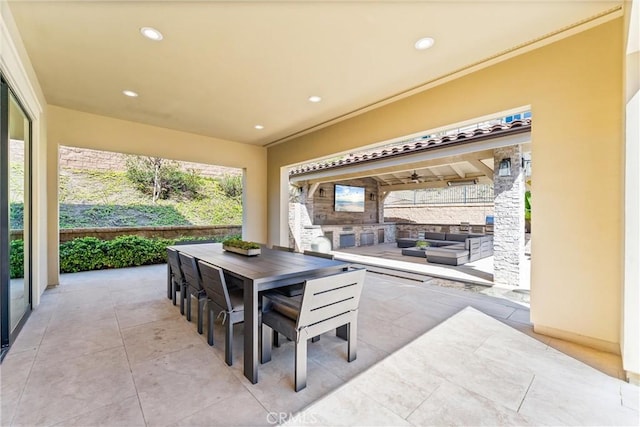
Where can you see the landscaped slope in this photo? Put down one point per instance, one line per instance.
(109, 199)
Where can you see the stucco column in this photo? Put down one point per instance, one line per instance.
(630, 338)
(508, 239)
(53, 207)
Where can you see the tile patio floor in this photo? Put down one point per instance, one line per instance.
(108, 348)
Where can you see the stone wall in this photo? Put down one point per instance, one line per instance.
(376, 233)
(439, 214)
(82, 158)
(508, 241)
(323, 204)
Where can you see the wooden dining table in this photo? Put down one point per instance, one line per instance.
(271, 269)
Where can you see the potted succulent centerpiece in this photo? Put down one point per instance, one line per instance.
(241, 247)
(422, 245)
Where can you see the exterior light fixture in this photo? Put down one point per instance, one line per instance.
(526, 166)
(372, 197)
(321, 192)
(505, 167)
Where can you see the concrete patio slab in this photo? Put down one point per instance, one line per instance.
(157, 368)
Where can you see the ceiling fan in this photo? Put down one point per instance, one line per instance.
(415, 177)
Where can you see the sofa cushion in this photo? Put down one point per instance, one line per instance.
(446, 252)
(435, 236)
(454, 237)
(447, 256)
(406, 243)
(461, 246)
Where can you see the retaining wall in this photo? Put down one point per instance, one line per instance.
(169, 232)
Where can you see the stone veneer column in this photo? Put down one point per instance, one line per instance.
(508, 239)
(301, 228)
(294, 225)
(379, 205)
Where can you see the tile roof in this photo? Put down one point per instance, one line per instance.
(494, 131)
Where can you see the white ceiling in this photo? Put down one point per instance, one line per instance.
(224, 67)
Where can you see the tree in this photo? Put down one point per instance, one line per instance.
(161, 177)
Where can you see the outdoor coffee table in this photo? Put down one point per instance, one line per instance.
(415, 251)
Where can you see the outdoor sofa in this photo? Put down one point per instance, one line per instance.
(449, 248)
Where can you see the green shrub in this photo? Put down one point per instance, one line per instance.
(16, 216)
(231, 185)
(90, 253)
(82, 254)
(16, 259)
(129, 251)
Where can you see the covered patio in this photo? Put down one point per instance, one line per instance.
(428, 354)
(266, 86)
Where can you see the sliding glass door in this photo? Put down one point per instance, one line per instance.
(15, 219)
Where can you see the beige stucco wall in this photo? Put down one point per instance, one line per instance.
(78, 129)
(631, 291)
(17, 69)
(574, 88)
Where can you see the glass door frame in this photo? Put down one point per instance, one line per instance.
(7, 336)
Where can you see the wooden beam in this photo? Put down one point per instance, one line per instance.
(311, 189)
(458, 170)
(484, 169)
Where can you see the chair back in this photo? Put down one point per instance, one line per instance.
(282, 248)
(329, 297)
(319, 254)
(215, 285)
(174, 265)
(190, 270)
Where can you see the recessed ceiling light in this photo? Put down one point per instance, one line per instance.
(315, 98)
(130, 93)
(151, 33)
(424, 43)
(259, 127)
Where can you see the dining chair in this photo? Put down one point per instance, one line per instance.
(175, 281)
(228, 302)
(296, 289)
(327, 303)
(319, 254)
(194, 287)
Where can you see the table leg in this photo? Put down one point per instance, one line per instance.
(250, 331)
(169, 284)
